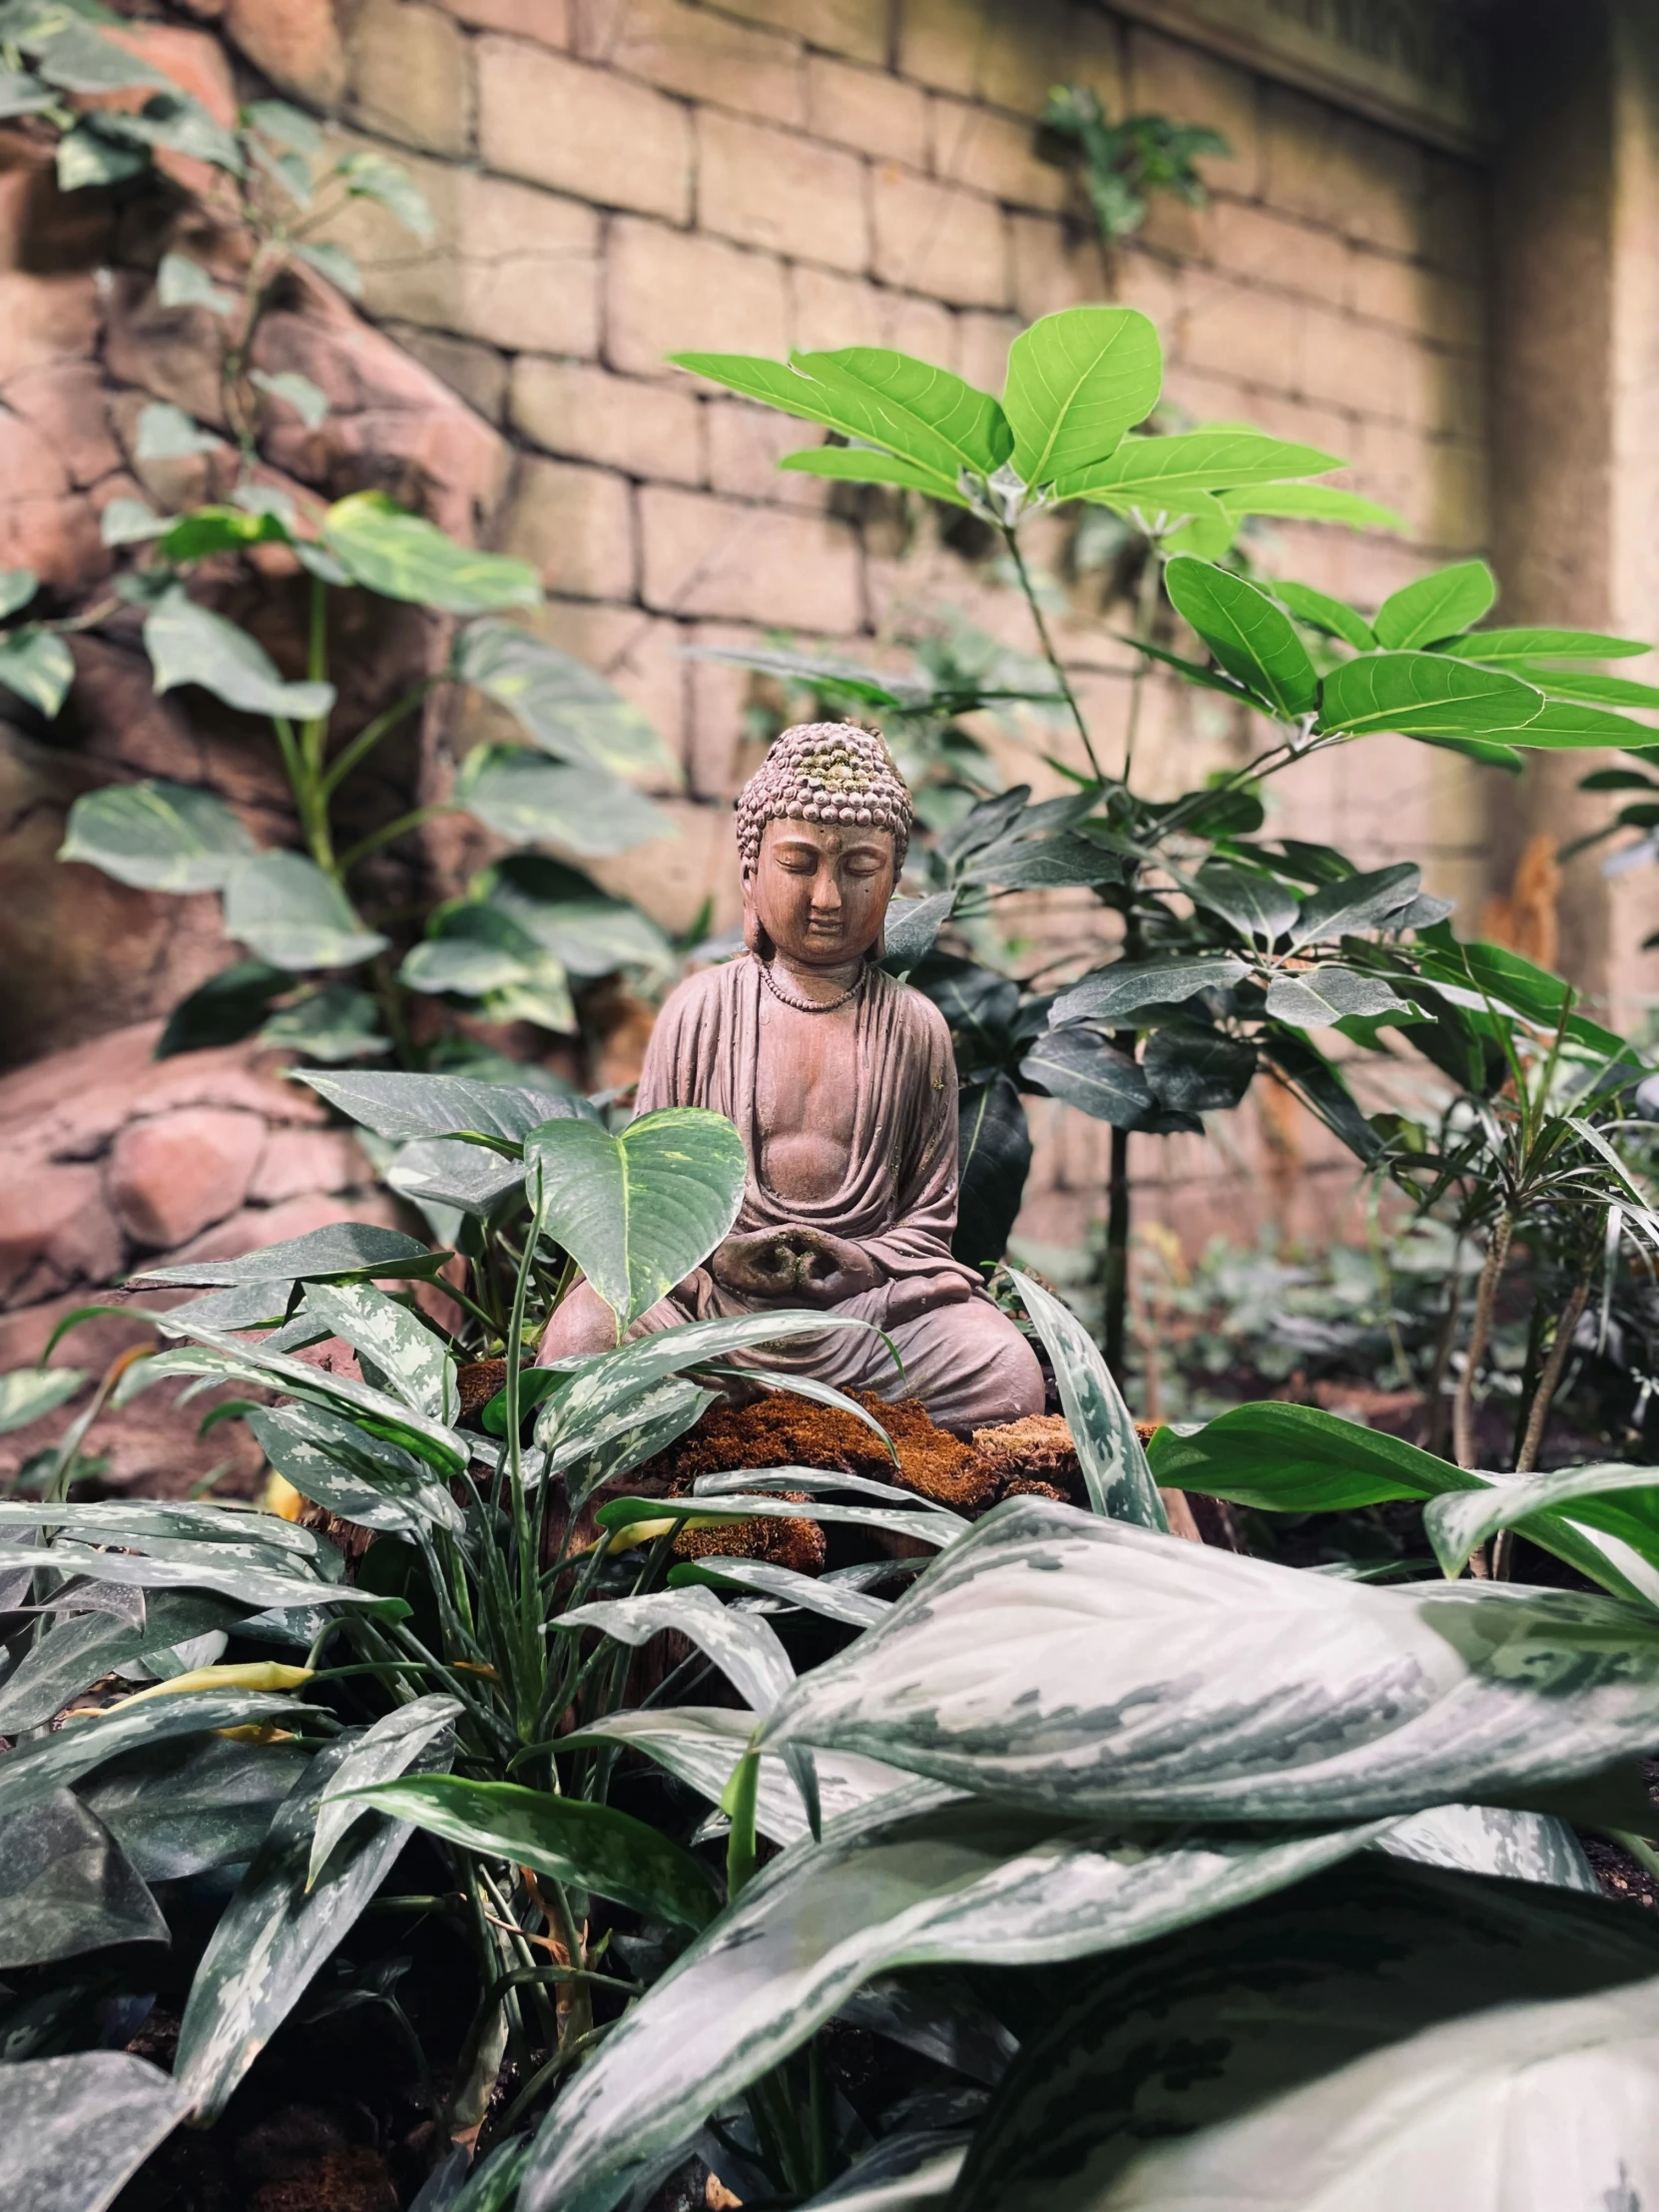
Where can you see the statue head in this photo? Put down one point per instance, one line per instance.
(823, 827)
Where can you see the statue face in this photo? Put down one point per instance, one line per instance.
(821, 893)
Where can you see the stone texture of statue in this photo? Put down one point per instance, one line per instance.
(842, 1083)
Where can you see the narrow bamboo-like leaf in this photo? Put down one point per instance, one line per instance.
(638, 1212)
(159, 836)
(1229, 1688)
(1077, 380)
(1436, 606)
(1252, 638)
(1333, 616)
(189, 645)
(744, 1646)
(65, 1886)
(1102, 1429)
(960, 1883)
(382, 1752)
(593, 1847)
(1111, 994)
(403, 556)
(182, 1808)
(286, 911)
(32, 1771)
(1425, 694)
(74, 2131)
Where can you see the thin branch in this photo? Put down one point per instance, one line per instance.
(1481, 1329)
(1061, 677)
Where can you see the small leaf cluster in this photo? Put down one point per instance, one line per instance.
(1124, 164)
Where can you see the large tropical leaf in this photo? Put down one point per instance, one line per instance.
(66, 1886)
(401, 555)
(949, 1884)
(1102, 1429)
(529, 800)
(286, 911)
(73, 2131)
(993, 1158)
(1424, 694)
(409, 1106)
(189, 645)
(1080, 1067)
(638, 1212)
(1111, 994)
(1229, 1688)
(560, 703)
(744, 1646)
(32, 1771)
(1436, 606)
(360, 1477)
(1077, 380)
(38, 666)
(159, 836)
(1382, 2036)
(179, 1808)
(1253, 638)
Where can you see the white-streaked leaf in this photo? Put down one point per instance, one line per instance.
(32, 1771)
(189, 645)
(360, 1477)
(403, 556)
(73, 2131)
(30, 1394)
(1486, 1838)
(836, 1602)
(390, 1747)
(744, 1647)
(1460, 1523)
(38, 666)
(414, 1360)
(1102, 1428)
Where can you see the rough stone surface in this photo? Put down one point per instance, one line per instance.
(654, 431)
(409, 75)
(580, 130)
(576, 526)
(295, 42)
(668, 292)
(169, 1175)
(706, 556)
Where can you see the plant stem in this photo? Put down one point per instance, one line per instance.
(1443, 1353)
(1011, 536)
(1115, 1261)
(1537, 1417)
(391, 831)
(1481, 1329)
(369, 737)
(1146, 606)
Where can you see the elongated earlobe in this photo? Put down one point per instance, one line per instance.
(755, 933)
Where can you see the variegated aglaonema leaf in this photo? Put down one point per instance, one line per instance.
(66, 1886)
(389, 1748)
(935, 1884)
(745, 1648)
(1052, 1658)
(74, 2130)
(1102, 1428)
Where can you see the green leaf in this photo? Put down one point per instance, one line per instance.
(167, 433)
(1102, 1429)
(923, 1887)
(638, 1212)
(370, 176)
(1436, 606)
(1313, 503)
(1042, 864)
(207, 530)
(835, 1601)
(30, 1394)
(66, 1888)
(74, 2131)
(130, 522)
(285, 125)
(194, 1803)
(187, 645)
(343, 1251)
(591, 1847)
(333, 262)
(1252, 638)
(587, 934)
(845, 406)
(864, 464)
(1600, 691)
(1543, 645)
(333, 1025)
(1225, 1710)
(86, 158)
(21, 94)
(159, 836)
(1459, 1522)
(1156, 468)
(1197, 1072)
(480, 950)
(405, 1106)
(182, 282)
(1334, 617)
(1567, 723)
(17, 587)
(918, 406)
(37, 664)
(1111, 994)
(993, 1158)
(381, 1754)
(403, 556)
(359, 1478)
(411, 1359)
(308, 401)
(1368, 900)
(1426, 695)
(561, 705)
(275, 1935)
(71, 55)
(1099, 1079)
(744, 1647)
(1077, 380)
(1257, 906)
(180, 125)
(449, 1172)
(286, 911)
(81, 1648)
(1322, 996)
(1348, 2042)
(531, 801)
(32, 1771)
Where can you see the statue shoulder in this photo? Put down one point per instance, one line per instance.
(703, 993)
(916, 1012)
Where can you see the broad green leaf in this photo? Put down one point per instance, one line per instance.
(964, 1882)
(1232, 1689)
(1332, 616)
(1567, 723)
(159, 836)
(993, 1158)
(1480, 750)
(483, 951)
(167, 433)
(275, 1935)
(564, 707)
(1319, 998)
(88, 158)
(359, 1478)
(1425, 694)
(1197, 1072)
(38, 666)
(1077, 380)
(1145, 468)
(187, 645)
(919, 407)
(1459, 1522)
(182, 282)
(587, 934)
(32, 1771)
(74, 2131)
(1382, 2036)
(65, 1886)
(1600, 691)
(1299, 1459)
(308, 401)
(403, 556)
(344, 1251)
(1252, 639)
(1313, 503)
(130, 522)
(81, 1648)
(1102, 1429)
(371, 175)
(333, 1025)
(1206, 534)
(184, 1807)
(1111, 994)
(846, 407)
(333, 262)
(447, 1171)
(381, 1753)
(638, 1212)
(411, 1359)
(911, 928)
(864, 464)
(30, 1394)
(70, 54)
(1436, 606)
(407, 1106)
(531, 801)
(1543, 645)
(1042, 864)
(17, 587)
(592, 1846)
(1368, 900)
(1080, 1067)
(743, 1646)
(21, 94)
(1257, 906)
(207, 530)
(286, 911)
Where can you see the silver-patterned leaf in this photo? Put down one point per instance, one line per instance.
(356, 1477)
(854, 1608)
(390, 1747)
(624, 1436)
(177, 1808)
(744, 1647)
(240, 1571)
(65, 1886)
(73, 2131)
(1462, 1520)
(31, 1771)
(1102, 1428)
(412, 1357)
(1486, 1838)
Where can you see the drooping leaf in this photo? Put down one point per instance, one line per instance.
(32, 1771)
(182, 1808)
(65, 1886)
(1459, 1522)
(1111, 994)
(182, 282)
(564, 707)
(1424, 694)
(409, 1106)
(38, 666)
(189, 645)
(1252, 638)
(403, 556)
(447, 1171)
(993, 1158)
(638, 1212)
(21, 94)
(159, 836)
(587, 934)
(532, 800)
(1332, 616)
(1153, 468)
(344, 1251)
(285, 909)
(1257, 906)
(1571, 723)
(411, 1359)
(74, 2130)
(1319, 998)
(1077, 380)
(308, 401)
(1080, 1067)
(1488, 1839)
(1436, 606)
(1102, 1429)
(811, 1593)
(381, 1753)
(624, 1435)
(744, 1646)
(167, 433)
(30, 1394)
(1197, 1072)
(1262, 1693)
(359, 1478)
(593, 1847)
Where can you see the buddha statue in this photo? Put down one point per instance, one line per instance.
(842, 1083)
